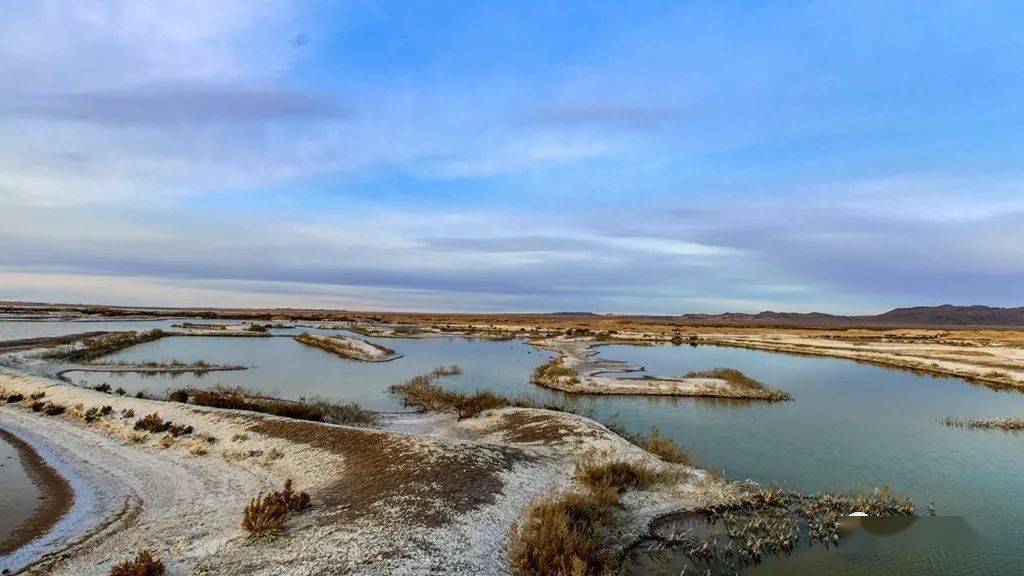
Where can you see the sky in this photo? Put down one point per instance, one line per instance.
(636, 157)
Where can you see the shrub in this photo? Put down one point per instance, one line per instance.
(51, 409)
(293, 501)
(95, 413)
(15, 398)
(422, 393)
(268, 512)
(153, 423)
(450, 370)
(563, 536)
(263, 515)
(36, 395)
(178, 396)
(618, 475)
(144, 564)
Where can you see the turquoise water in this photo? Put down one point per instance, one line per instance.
(851, 426)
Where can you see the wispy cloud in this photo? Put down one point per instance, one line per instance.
(177, 104)
(603, 114)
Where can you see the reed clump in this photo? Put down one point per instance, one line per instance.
(144, 564)
(766, 520)
(93, 348)
(661, 446)
(268, 513)
(564, 535)
(1015, 425)
(311, 408)
(421, 392)
(619, 475)
(154, 423)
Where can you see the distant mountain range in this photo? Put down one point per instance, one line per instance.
(945, 315)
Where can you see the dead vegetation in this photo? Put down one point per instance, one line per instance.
(564, 536)
(572, 534)
(421, 392)
(144, 564)
(99, 346)
(153, 423)
(268, 513)
(314, 408)
(661, 446)
(740, 381)
(760, 521)
(620, 475)
(1015, 425)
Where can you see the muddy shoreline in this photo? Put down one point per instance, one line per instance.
(57, 493)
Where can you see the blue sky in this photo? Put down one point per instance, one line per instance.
(652, 157)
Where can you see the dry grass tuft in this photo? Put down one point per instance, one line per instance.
(421, 392)
(313, 408)
(620, 475)
(144, 564)
(267, 513)
(264, 515)
(564, 536)
(661, 446)
(51, 409)
(93, 348)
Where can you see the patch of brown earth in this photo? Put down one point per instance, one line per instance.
(394, 477)
(531, 426)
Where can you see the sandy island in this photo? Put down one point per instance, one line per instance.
(577, 370)
(349, 348)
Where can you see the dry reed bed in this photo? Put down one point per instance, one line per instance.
(1015, 425)
(99, 346)
(761, 521)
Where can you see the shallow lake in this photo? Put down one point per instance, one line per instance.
(283, 366)
(851, 426)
